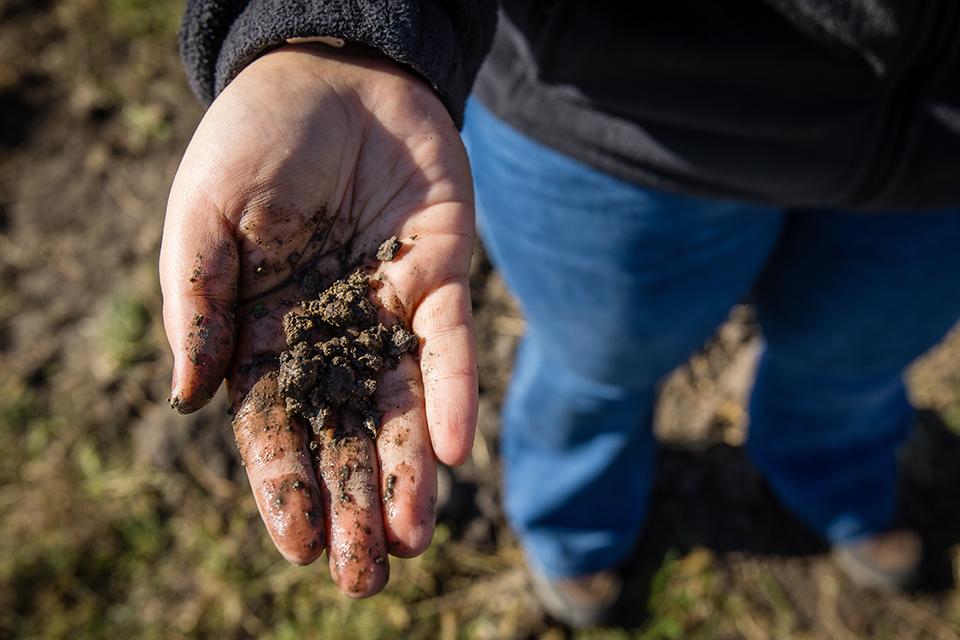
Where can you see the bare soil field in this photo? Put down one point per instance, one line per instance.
(119, 517)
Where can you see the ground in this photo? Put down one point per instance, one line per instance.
(120, 518)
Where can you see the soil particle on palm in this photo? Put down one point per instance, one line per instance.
(391, 487)
(336, 352)
(342, 479)
(388, 250)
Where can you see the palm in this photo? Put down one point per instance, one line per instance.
(310, 172)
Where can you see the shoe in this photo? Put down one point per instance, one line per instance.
(887, 561)
(579, 602)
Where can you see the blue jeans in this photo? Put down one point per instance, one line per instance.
(620, 283)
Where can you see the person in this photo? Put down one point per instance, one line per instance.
(639, 168)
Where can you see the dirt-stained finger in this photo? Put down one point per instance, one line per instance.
(347, 466)
(198, 276)
(276, 457)
(408, 469)
(448, 362)
(427, 285)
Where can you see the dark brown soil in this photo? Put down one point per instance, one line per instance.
(337, 350)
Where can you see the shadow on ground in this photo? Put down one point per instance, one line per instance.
(713, 498)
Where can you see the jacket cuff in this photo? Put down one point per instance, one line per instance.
(443, 41)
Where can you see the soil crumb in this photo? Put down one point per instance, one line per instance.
(391, 487)
(388, 250)
(337, 351)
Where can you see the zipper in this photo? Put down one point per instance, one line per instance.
(935, 40)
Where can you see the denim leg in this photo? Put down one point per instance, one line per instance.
(847, 302)
(618, 285)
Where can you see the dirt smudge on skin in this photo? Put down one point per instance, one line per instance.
(198, 338)
(346, 463)
(207, 345)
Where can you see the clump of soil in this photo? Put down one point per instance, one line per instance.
(388, 250)
(337, 350)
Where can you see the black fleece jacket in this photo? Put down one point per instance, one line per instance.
(443, 40)
(798, 103)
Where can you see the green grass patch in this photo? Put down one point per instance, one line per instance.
(122, 328)
(144, 18)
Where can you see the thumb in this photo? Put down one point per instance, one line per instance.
(199, 266)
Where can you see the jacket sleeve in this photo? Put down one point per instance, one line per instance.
(444, 41)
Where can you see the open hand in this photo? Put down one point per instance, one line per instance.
(309, 159)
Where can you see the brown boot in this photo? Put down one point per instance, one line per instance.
(579, 602)
(888, 561)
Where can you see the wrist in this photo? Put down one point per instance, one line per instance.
(372, 75)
